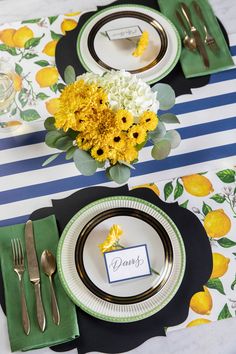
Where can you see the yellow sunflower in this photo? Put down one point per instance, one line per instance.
(148, 120)
(137, 134)
(118, 141)
(101, 100)
(100, 153)
(124, 119)
(112, 241)
(127, 154)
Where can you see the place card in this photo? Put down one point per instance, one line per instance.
(124, 33)
(127, 263)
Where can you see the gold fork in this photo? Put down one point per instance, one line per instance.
(209, 40)
(19, 268)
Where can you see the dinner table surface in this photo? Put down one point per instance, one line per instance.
(216, 338)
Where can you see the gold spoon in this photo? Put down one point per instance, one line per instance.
(48, 264)
(189, 42)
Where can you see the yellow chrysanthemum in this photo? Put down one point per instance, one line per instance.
(82, 143)
(112, 240)
(148, 120)
(124, 119)
(100, 153)
(79, 106)
(137, 134)
(142, 44)
(127, 154)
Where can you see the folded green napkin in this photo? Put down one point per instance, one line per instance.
(46, 237)
(191, 62)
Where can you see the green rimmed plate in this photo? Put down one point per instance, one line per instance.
(97, 53)
(142, 223)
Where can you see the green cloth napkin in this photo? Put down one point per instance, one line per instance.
(46, 237)
(191, 62)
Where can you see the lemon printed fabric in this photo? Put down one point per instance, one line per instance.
(211, 196)
(28, 47)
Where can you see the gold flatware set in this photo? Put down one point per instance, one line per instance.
(48, 265)
(192, 37)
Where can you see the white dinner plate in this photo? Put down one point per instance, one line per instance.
(82, 268)
(98, 53)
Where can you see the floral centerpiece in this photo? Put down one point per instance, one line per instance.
(104, 121)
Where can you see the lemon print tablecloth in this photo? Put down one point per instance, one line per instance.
(212, 197)
(207, 127)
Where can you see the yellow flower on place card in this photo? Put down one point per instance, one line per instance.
(142, 44)
(112, 241)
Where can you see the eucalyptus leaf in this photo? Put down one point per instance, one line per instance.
(51, 138)
(84, 162)
(174, 138)
(119, 173)
(179, 189)
(49, 123)
(127, 164)
(161, 150)
(168, 189)
(165, 95)
(157, 134)
(50, 159)
(70, 152)
(227, 176)
(69, 75)
(63, 143)
(169, 118)
(100, 164)
(216, 284)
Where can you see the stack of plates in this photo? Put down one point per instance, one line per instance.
(82, 268)
(98, 53)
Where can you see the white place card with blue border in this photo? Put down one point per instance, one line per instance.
(127, 263)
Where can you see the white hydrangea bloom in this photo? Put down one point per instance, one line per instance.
(125, 91)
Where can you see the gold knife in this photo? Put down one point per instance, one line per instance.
(33, 269)
(200, 45)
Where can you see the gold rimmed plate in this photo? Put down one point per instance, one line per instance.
(138, 228)
(98, 52)
(82, 269)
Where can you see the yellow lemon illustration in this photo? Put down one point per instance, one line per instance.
(73, 14)
(21, 36)
(197, 185)
(217, 224)
(198, 322)
(50, 48)
(220, 265)
(47, 76)
(6, 36)
(68, 25)
(53, 105)
(151, 186)
(201, 302)
(17, 81)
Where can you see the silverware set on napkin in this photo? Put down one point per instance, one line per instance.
(48, 265)
(192, 36)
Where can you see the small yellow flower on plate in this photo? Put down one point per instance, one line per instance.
(112, 241)
(142, 45)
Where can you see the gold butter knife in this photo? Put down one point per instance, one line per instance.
(200, 44)
(34, 275)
